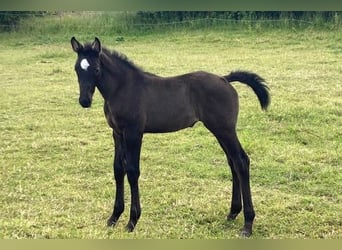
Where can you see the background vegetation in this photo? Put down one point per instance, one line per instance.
(56, 158)
(143, 21)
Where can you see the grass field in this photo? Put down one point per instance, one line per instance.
(56, 158)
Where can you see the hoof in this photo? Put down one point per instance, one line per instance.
(130, 227)
(111, 222)
(246, 231)
(232, 216)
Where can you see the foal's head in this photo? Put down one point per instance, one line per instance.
(87, 68)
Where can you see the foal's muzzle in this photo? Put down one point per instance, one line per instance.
(86, 95)
(85, 103)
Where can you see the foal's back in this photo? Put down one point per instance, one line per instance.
(173, 103)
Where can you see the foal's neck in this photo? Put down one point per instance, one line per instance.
(115, 74)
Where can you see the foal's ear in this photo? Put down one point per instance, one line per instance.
(76, 46)
(96, 45)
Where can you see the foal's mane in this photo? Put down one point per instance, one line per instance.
(115, 57)
(121, 58)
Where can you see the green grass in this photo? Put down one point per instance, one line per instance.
(56, 158)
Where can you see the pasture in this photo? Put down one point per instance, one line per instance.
(56, 177)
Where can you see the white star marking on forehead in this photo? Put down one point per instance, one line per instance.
(84, 64)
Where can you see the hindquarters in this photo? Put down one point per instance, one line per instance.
(215, 101)
(218, 106)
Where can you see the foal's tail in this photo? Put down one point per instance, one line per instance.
(256, 82)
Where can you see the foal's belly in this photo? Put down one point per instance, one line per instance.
(164, 122)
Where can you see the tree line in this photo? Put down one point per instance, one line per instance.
(9, 20)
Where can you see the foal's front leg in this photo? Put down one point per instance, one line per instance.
(119, 174)
(132, 148)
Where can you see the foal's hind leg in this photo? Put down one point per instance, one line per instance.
(239, 163)
(236, 203)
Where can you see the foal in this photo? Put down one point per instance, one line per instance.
(137, 102)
